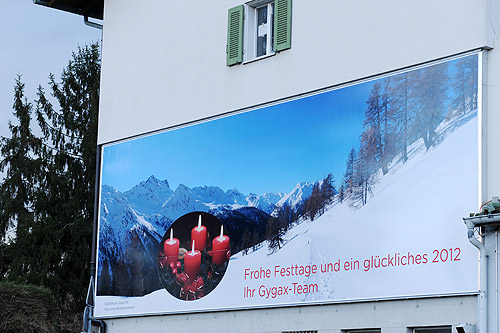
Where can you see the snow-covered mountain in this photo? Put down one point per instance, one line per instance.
(266, 202)
(155, 196)
(296, 197)
(149, 196)
(128, 243)
(133, 223)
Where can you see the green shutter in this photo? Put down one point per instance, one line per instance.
(282, 24)
(234, 48)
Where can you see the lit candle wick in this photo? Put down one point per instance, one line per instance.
(192, 250)
(172, 234)
(199, 221)
(221, 232)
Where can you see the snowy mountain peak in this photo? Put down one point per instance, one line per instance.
(149, 195)
(181, 189)
(233, 192)
(297, 196)
(236, 197)
(152, 181)
(154, 196)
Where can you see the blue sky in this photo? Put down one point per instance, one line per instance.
(264, 150)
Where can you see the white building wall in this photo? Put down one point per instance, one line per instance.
(492, 108)
(391, 316)
(164, 65)
(164, 61)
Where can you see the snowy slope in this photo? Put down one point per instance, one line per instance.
(416, 208)
(122, 232)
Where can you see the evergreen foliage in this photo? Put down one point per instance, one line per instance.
(341, 195)
(364, 177)
(21, 161)
(465, 86)
(275, 232)
(430, 96)
(400, 120)
(348, 181)
(48, 190)
(401, 110)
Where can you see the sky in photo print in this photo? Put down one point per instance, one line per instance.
(264, 150)
(270, 149)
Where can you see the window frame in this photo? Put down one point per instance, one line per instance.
(430, 329)
(250, 31)
(241, 47)
(269, 29)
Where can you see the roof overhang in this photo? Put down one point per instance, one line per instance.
(90, 8)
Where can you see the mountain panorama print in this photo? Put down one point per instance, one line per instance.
(317, 199)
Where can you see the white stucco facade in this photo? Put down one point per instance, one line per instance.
(163, 68)
(155, 58)
(163, 65)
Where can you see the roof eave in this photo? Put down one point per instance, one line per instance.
(91, 8)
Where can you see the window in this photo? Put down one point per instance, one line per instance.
(432, 330)
(258, 29)
(264, 24)
(372, 330)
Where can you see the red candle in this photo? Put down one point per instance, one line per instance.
(192, 264)
(199, 234)
(171, 249)
(220, 247)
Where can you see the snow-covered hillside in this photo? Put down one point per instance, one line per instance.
(413, 219)
(123, 232)
(416, 209)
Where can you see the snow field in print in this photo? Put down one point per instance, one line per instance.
(342, 235)
(416, 209)
(390, 227)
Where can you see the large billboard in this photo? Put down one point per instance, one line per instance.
(350, 193)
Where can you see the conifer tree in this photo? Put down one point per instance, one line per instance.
(372, 134)
(465, 85)
(430, 96)
(348, 181)
(328, 189)
(246, 241)
(377, 125)
(274, 234)
(314, 202)
(387, 130)
(341, 195)
(48, 190)
(364, 177)
(65, 201)
(400, 110)
(20, 163)
(20, 160)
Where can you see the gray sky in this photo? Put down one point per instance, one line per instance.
(35, 41)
